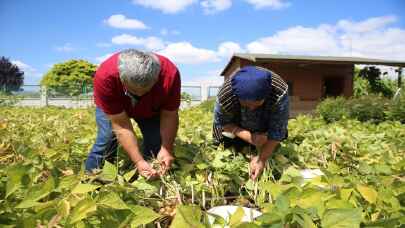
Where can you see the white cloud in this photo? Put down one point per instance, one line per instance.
(227, 49)
(368, 25)
(166, 6)
(298, 39)
(386, 71)
(166, 32)
(22, 66)
(103, 57)
(31, 74)
(122, 22)
(184, 52)
(371, 38)
(67, 47)
(388, 43)
(150, 43)
(214, 6)
(273, 4)
(211, 77)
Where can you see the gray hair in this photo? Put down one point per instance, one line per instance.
(139, 68)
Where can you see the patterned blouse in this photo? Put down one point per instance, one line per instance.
(271, 117)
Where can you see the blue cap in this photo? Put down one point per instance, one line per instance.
(251, 83)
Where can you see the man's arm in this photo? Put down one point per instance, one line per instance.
(169, 124)
(124, 131)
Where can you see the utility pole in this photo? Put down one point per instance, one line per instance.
(399, 71)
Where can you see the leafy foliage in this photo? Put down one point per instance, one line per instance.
(368, 108)
(397, 109)
(372, 108)
(42, 181)
(185, 97)
(333, 109)
(11, 77)
(70, 77)
(377, 85)
(8, 100)
(361, 87)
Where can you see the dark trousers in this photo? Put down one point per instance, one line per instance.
(105, 147)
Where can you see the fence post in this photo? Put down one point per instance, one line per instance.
(44, 96)
(399, 71)
(204, 92)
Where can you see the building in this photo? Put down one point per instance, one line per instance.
(310, 78)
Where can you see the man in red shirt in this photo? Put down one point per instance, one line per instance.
(143, 86)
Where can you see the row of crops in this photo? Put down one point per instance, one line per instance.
(43, 183)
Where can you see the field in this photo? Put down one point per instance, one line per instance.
(43, 183)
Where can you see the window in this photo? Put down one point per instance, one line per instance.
(333, 86)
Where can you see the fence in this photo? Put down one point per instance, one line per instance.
(40, 96)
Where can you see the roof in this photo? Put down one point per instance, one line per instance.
(256, 58)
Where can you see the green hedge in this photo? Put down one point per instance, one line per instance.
(369, 108)
(333, 109)
(374, 109)
(397, 109)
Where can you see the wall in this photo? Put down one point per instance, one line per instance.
(307, 81)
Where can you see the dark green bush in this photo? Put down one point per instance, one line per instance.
(374, 109)
(368, 108)
(332, 109)
(397, 110)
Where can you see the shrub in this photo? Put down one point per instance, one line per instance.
(397, 110)
(368, 108)
(332, 109)
(7, 100)
(373, 109)
(69, 78)
(185, 97)
(11, 76)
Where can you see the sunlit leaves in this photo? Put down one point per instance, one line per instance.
(188, 216)
(342, 218)
(368, 193)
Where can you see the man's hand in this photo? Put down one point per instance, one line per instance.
(256, 167)
(165, 158)
(146, 170)
(259, 139)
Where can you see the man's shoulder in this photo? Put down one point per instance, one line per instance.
(108, 67)
(164, 60)
(167, 67)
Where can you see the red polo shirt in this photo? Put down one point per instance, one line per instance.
(110, 97)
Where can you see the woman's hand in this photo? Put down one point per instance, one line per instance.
(256, 167)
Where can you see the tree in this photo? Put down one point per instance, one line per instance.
(70, 77)
(11, 77)
(377, 85)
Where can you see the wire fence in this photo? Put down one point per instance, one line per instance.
(37, 95)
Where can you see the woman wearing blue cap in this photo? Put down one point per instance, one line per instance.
(252, 110)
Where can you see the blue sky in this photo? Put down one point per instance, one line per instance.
(199, 36)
